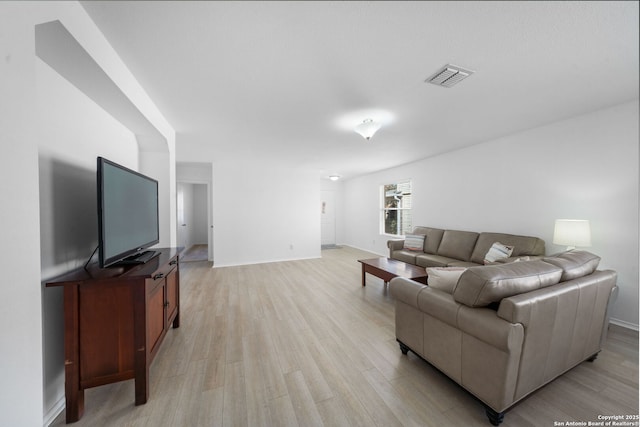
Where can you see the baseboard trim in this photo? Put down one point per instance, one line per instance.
(364, 250)
(53, 413)
(264, 262)
(624, 324)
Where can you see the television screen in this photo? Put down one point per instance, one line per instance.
(127, 213)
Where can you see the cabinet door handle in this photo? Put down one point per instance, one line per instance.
(166, 304)
(174, 262)
(158, 276)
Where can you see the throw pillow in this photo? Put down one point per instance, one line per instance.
(444, 278)
(498, 251)
(414, 242)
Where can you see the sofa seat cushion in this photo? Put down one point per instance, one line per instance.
(516, 259)
(522, 245)
(574, 264)
(406, 256)
(483, 285)
(428, 260)
(456, 263)
(458, 244)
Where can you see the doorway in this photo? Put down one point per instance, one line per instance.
(193, 224)
(328, 224)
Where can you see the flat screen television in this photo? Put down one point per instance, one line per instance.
(127, 215)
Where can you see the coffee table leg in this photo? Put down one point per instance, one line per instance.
(363, 273)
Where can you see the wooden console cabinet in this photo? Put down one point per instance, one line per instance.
(114, 322)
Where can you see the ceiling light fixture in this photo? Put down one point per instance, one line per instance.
(334, 177)
(367, 128)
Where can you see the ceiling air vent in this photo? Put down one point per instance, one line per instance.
(449, 75)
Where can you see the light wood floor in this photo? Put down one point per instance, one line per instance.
(195, 253)
(303, 344)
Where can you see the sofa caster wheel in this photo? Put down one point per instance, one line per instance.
(403, 348)
(495, 418)
(593, 358)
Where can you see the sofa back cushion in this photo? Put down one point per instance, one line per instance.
(433, 236)
(444, 278)
(458, 244)
(522, 245)
(483, 285)
(574, 264)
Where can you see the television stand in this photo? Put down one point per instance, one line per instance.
(115, 320)
(141, 258)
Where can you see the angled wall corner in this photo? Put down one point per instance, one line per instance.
(57, 47)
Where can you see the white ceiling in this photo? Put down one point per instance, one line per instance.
(278, 78)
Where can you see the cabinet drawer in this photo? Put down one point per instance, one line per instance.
(165, 270)
(158, 277)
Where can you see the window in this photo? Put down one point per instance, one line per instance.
(396, 208)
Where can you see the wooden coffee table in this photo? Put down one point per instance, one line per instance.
(387, 268)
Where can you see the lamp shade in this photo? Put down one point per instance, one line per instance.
(367, 128)
(572, 232)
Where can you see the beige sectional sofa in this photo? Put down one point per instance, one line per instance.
(502, 331)
(444, 248)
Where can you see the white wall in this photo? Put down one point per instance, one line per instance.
(161, 166)
(69, 145)
(51, 134)
(584, 168)
(201, 175)
(263, 210)
(68, 148)
(337, 187)
(20, 306)
(191, 172)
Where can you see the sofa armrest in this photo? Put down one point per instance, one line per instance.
(563, 326)
(473, 346)
(527, 308)
(482, 323)
(395, 245)
(406, 290)
(440, 305)
(485, 325)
